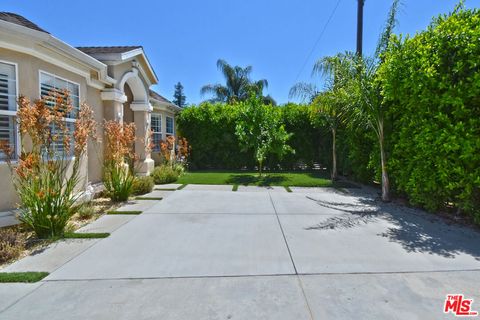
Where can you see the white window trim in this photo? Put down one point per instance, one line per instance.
(173, 126)
(14, 113)
(161, 127)
(71, 120)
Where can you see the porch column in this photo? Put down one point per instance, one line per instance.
(113, 100)
(142, 117)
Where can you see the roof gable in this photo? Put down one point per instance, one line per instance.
(21, 21)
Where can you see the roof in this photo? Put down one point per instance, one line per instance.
(112, 49)
(19, 20)
(158, 97)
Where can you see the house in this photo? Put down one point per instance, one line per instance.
(114, 81)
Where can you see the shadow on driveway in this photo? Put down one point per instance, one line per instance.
(414, 229)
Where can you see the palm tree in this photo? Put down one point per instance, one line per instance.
(368, 106)
(238, 85)
(331, 103)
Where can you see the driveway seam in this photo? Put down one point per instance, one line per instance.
(21, 298)
(304, 294)
(262, 275)
(283, 234)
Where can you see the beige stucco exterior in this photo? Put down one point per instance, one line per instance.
(116, 86)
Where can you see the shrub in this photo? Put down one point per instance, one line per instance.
(432, 82)
(118, 181)
(86, 211)
(142, 185)
(12, 243)
(164, 174)
(45, 177)
(119, 142)
(178, 168)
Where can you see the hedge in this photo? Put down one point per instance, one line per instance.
(432, 82)
(210, 130)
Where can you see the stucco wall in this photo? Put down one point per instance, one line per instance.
(28, 68)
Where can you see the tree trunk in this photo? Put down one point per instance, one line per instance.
(383, 159)
(334, 154)
(260, 168)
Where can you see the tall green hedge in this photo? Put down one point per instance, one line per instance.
(210, 129)
(432, 81)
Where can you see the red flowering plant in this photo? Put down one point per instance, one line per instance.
(46, 174)
(118, 176)
(174, 154)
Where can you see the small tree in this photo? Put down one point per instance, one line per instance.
(179, 97)
(331, 104)
(260, 129)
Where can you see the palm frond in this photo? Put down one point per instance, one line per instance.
(304, 91)
(388, 29)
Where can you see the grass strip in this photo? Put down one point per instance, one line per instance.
(288, 189)
(182, 186)
(124, 212)
(166, 189)
(28, 277)
(148, 198)
(235, 187)
(86, 235)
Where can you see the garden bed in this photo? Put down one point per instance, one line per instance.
(17, 242)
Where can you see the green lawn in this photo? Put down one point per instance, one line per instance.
(298, 179)
(28, 277)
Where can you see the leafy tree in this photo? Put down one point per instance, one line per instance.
(178, 96)
(238, 85)
(260, 128)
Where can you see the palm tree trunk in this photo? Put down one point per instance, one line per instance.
(383, 159)
(334, 154)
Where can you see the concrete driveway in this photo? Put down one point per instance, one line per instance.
(210, 253)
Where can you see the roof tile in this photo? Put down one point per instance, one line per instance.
(19, 20)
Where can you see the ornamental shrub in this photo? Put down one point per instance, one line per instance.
(142, 185)
(432, 81)
(164, 174)
(118, 177)
(46, 177)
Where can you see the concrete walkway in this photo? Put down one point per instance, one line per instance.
(208, 253)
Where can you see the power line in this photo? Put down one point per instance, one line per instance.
(318, 40)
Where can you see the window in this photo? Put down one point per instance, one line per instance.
(156, 127)
(8, 106)
(170, 126)
(49, 83)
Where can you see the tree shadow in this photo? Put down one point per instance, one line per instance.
(250, 179)
(415, 230)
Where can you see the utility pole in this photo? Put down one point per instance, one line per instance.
(360, 27)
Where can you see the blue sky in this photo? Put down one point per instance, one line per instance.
(183, 39)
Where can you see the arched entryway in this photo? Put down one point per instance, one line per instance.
(137, 109)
